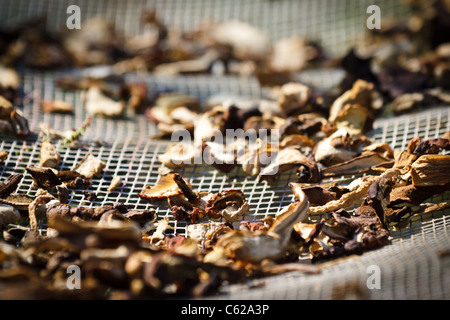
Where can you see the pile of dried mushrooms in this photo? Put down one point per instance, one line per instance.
(128, 253)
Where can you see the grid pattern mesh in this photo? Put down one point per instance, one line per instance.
(414, 266)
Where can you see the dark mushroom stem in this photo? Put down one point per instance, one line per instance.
(187, 191)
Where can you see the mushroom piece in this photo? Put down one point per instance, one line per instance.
(10, 185)
(360, 164)
(90, 166)
(44, 177)
(8, 215)
(14, 120)
(165, 188)
(362, 93)
(246, 41)
(178, 155)
(18, 201)
(98, 103)
(294, 98)
(168, 105)
(431, 170)
(355, 118)
(253, 247)
(335, 149)
(342, 226)
(3, 155)
(229, 204)
(57, 106)
(206, 234)
(288, 158)
(291, 54)
(50, 157)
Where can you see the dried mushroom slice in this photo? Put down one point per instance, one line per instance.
(363, 93)
(10, 185)
(90, 166)
(359, 164)
(8, 215)
(294, 98)
(205, 234)
(355, 118)
(44, 177)
(98, 103)
(57, 106)
(431, 170)
(165, 188)
(115, 182)
(229, 204)
(50, 157)
(3, 155)
(18, 201)
(178, 155)
(335, 149)
(288, 158)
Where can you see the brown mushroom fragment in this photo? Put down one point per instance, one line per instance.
(8, 215)
(3, 155)
(19, 124)
(158, 236)
(363, 93)
(413, 195)
(342, 226)
(355, 118)
(229, 204)
(44, 177)
(359, 164)
(407, 102)
(294, 98)
(73, 179)
(206, 234)
(168, 104)
(166, 187)
(12, 119)
(10, 185)
(431, 170)
(335, 149)
(18, 201)
(178, 155)
(319, 195)
(98, 103)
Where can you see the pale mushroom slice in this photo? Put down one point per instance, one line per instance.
(355, 118)
(165, 188)
(178, 155)
(98, 103)
(206, 233)
(90, 166)
(49, 156)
